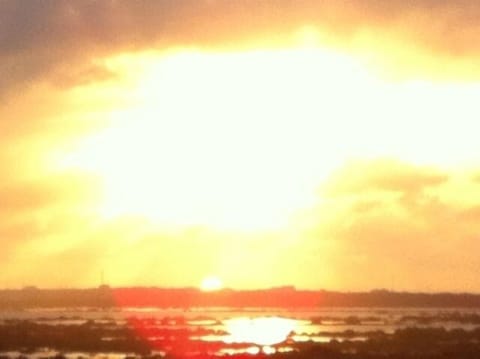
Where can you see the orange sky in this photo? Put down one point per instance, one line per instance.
(325, 145)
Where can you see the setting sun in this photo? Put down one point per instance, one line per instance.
(242, 177)
(210, 284)
(255, 139)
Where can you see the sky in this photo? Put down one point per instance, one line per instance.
(260, 143)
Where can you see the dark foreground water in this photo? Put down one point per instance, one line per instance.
(198, 332)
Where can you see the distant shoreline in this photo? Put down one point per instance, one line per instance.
(282, 297)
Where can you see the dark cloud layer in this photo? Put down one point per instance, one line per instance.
(41, 37)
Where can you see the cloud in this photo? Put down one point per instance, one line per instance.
(476, 178)
(372, 211)
(410, 234)
(41, 38)
(396, 225)
(49, 206)
(383, 175)
(93, 73)
(35, 195)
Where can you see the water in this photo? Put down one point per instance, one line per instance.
(222, 331)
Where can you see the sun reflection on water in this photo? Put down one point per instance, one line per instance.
(264, 331)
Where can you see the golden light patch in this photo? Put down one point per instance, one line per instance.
(219, 139)
(263, 331)
(242, 140)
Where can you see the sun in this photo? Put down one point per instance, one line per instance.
(210, 284)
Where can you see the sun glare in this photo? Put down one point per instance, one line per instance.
(261, 331)
(210, 284)
(221, 140)
(242, 140)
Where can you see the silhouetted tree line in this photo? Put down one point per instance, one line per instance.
(283, 297)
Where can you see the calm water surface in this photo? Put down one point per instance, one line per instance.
(245, 331)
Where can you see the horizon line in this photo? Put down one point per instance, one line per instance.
(258, 289)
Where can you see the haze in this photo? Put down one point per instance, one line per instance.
(261, 143)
